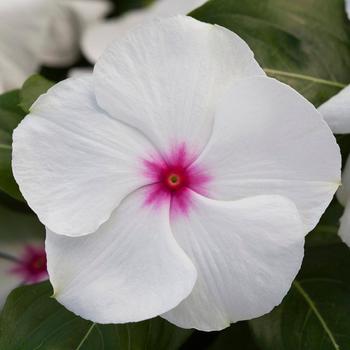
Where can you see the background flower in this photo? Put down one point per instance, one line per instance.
(97, 37)
(47, 32)
(23, 263)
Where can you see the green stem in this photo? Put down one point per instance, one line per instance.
(86, 336)
(313, 307)
(305, 77)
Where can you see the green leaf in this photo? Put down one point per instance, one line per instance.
(31, 319)
(305, 43)
(33, 87)
(7, 181)
(315, 315)
(18, 222)
(10, 115)
(237, 337)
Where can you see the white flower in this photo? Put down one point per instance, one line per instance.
(68, 21)
(34, 32)
(97, 37)
(336, 112)
(177, 180)
(21, 263)
(343, 196)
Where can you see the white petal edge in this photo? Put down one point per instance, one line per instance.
(336, 112)
(166, 77)
(268, 139)
(343, 193)
(131, 269)
(73, 163)
(246, 252)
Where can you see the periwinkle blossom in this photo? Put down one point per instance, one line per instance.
(47, 33)
(98, 36)
(336, 112)
(176, 180)
(22, 264)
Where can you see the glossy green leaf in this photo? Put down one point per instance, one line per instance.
(31, 319)
(315, 315)
(305, 43)
(33, 87)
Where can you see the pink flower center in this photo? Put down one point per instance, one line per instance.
(175, 178)
(31, 266)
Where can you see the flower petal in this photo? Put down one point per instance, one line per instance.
(165, 78)
(344, 229)
(129, 270)
(336, 112)
(98, 37)
(246, 253)
(74, 163)
(23, 25)
(343, 193)
(67, 22)
(268, 139)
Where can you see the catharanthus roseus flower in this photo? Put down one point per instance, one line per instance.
(336, 112)
(176, 180)
(98, 36)
(26, 264)
(31, 265)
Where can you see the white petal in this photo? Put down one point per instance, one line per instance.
(344, 230)
(336, 112)
(97, 38)
(74, 163)
(23, 25)
(343, 193)
(268, 139)
(167, 8)
(129, 270)
(80, 72)
(246, 253)
(166, 77)
(89, 11)
(347, 7)
(67, 22)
